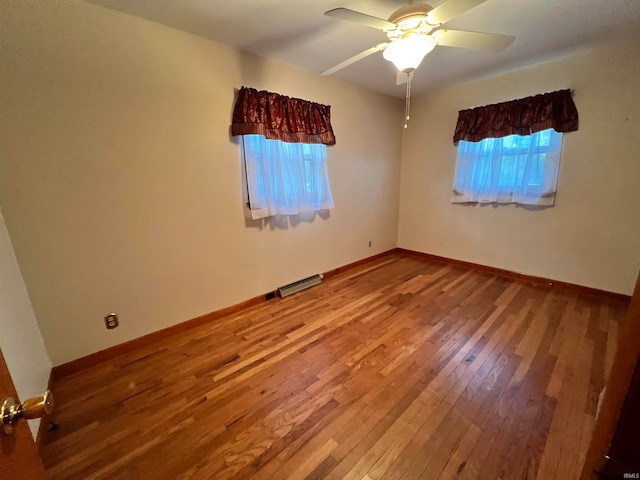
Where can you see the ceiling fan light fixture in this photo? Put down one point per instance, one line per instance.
(407, 53)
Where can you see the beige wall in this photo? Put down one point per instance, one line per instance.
(121, 186)
(591, 236)
(20, 338)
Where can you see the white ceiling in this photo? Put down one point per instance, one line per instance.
(297, 32)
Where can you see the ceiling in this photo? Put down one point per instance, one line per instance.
(296, 32)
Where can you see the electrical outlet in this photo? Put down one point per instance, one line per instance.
(370, 243)
(111, 321)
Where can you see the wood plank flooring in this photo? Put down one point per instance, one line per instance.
(403, 368)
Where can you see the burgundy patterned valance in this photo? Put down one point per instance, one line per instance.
(278, 117)
(518, 117)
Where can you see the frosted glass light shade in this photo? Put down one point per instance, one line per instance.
(407, 53)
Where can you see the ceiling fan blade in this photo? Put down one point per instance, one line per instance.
(449, 9)
(474, 40)
(355, 58)
(402, 78)
(362, 18)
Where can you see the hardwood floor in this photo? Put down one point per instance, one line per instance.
(403, 368)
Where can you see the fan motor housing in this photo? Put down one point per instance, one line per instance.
(407, 12)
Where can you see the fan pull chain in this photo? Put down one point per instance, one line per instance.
(407, 101)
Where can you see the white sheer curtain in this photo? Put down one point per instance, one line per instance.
(285, 178)
(513, 169)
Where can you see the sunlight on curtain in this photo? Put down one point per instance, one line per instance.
(513, 169)
(286, 178)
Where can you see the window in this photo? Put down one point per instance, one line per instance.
(513, 169)
(285, 178)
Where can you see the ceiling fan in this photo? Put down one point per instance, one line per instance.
(416, 29)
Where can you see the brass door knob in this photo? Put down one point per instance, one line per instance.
(36, 407)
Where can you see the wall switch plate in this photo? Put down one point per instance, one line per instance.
(111, 321)
(370, 243)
